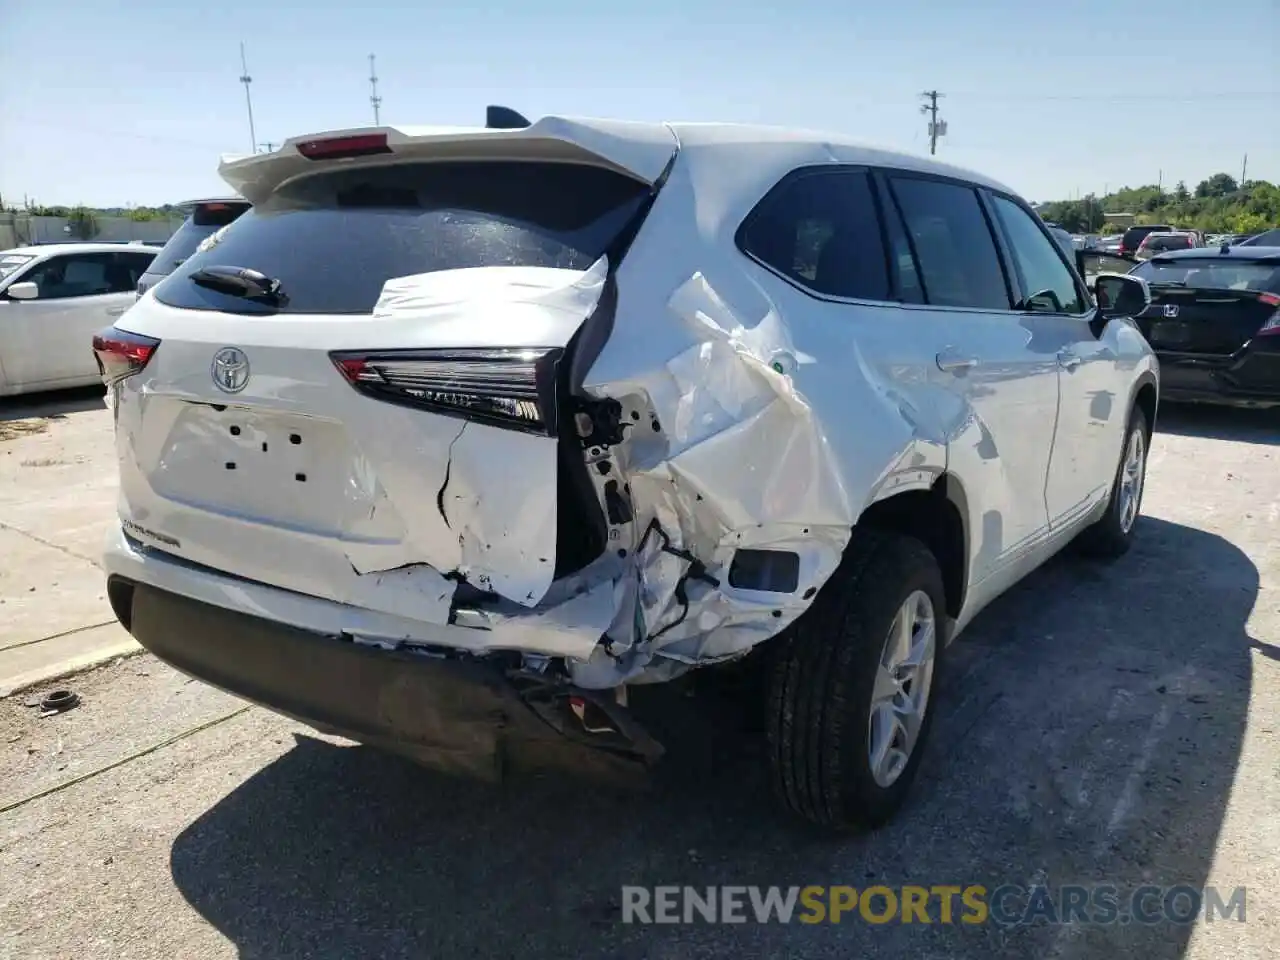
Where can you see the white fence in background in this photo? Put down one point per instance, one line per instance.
(18, 229)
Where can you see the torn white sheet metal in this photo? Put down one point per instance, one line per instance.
(741, 461)
(489, 513)
(571, 628)
(728, 455)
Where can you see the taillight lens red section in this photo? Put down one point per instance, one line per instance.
(511, 387)
(335, 148)
(121, 354)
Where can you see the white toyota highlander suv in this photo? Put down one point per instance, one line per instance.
(460, 433)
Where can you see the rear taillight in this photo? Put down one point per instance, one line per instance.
(513, 388)
(121, 354)
(335, 148)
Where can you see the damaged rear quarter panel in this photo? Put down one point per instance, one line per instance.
(764, 418)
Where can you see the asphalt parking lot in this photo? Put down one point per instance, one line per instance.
(1098, 725)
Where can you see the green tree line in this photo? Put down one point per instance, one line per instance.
(139, 214)
(1218, 205)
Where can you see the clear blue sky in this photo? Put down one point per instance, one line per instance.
(132, 102)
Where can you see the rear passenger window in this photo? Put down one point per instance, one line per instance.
(1047, 283)
(820, 230)
(959, 266)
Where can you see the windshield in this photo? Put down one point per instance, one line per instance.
(10, 262)
(333, 239)
(1220, 274)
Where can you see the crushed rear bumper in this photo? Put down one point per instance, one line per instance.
(460, 714)
(1250, 378)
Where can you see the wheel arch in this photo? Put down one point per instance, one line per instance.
(936, 516)
(1146, 396)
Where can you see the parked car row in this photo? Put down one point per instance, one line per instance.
(53, 299)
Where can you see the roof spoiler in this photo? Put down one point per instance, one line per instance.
(504, 118)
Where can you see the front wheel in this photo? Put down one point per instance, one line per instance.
(1111, 536)
(850, 700)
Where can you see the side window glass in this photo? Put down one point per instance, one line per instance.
(131, 267)
(821, 231)
(77, 275)
(957, 257)
(1047, 282)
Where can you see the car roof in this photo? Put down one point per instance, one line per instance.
(642, 149)
(1218, 253)
(51, 249)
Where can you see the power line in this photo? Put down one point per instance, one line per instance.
(374, 100)
(248, 100)
(937, 128)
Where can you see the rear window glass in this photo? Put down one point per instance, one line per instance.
(1167, 243)
(1226, 273)
(203, 222)
(333, 239)
(1135, 235)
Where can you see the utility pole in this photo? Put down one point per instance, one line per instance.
(1244, 169)
(248, 100)
(937, 128)
(374, 100)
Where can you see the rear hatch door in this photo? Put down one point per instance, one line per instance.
(389, 416)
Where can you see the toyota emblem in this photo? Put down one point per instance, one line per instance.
(1170, 310)
(230, 370)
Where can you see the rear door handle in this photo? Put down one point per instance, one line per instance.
(1068, 360)
(955, 363)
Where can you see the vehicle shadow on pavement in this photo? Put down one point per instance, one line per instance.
(58, 403)
(1219, 423)
(1088, 732)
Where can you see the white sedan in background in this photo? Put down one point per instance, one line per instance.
(53, 299)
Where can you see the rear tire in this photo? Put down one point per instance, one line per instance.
(829, 673)
(1111, 536)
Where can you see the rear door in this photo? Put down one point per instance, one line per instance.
(1207, 307)
(1004, 381)
(394, 412)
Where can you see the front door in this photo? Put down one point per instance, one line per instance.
(1056, 309)
(48, 338)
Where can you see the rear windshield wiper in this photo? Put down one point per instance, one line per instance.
(1166, 283)
(240, 282)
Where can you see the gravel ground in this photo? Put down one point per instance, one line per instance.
(1100, 725)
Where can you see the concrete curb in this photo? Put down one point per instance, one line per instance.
(65, 667)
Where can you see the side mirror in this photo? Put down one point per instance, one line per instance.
(1121, 294)
(23, 291)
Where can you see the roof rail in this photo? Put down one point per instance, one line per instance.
(504, 118)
